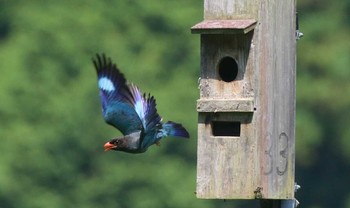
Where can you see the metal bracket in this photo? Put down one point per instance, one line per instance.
(298, 33)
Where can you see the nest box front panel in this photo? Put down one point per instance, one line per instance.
(226, 165)
(225, 66)
(227, 144)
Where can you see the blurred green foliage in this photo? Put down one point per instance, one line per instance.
(52, 130)
(323, 117)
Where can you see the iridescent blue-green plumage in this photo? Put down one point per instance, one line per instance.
(131, 112)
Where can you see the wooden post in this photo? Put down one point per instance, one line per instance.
(246, 110)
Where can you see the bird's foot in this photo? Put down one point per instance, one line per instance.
(158, 143)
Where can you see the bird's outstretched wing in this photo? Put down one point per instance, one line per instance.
(117, 99)
(145, 107)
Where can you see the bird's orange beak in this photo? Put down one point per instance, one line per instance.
(108, 146)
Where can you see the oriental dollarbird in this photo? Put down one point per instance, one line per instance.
(134, 114)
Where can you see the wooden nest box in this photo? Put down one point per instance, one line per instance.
(246, 109)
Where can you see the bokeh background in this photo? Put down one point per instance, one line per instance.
(52, 131)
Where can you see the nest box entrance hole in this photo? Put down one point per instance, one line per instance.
(226, 128)
(228, 69)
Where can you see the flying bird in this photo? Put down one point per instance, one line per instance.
(134, 114)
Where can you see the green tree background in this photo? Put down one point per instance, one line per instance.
(52, 130)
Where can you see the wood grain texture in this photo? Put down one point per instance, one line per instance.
(225, 105)
(259, 163)
(224, 159)
(241, 26)
(213, 49)
(231, 9)
(276, 58)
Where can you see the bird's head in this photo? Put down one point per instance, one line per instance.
(115, 144)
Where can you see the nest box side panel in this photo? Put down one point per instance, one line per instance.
(275, 66)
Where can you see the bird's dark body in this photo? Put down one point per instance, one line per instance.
(130, 111)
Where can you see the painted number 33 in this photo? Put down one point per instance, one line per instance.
(280, 163)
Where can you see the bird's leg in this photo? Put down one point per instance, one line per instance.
(158, 143)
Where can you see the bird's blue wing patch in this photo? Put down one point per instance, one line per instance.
(140, 104)
(123, 117)
(145, 107)
(116, 97)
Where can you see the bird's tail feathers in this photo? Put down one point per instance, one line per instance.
(175, 129)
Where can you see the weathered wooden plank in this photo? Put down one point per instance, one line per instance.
(213, 49)
(225, 105)
(275, 63)
(231, 9)
(241, 26)
(226, 164)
